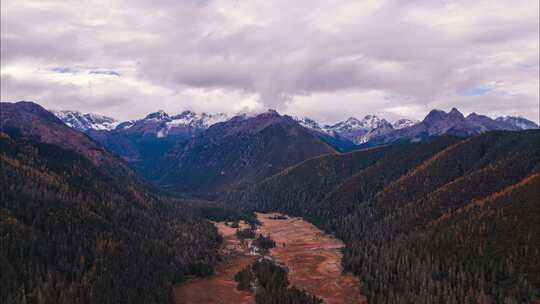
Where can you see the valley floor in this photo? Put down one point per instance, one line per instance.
(220, 288)
(312, 257)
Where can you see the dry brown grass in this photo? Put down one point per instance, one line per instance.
(313, 259)
(219, 288)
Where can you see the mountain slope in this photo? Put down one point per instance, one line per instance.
(144, 142)
(141, 142)
(393, 215)
(75, 231)
(324, 184)
(397, 224)
(31, 121)
(340, 144)
(238, 152)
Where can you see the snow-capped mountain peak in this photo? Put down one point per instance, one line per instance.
(351, 128)
(85, 121)
(519, 122)
(182, 119)
(404, 123)
(194, 120)
(369, 122)
(166, 124)
(157, 116)
(212, 119)
(309, 123)
(353, 122)
(158, 122)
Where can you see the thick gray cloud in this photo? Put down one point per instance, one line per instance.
(324, 59)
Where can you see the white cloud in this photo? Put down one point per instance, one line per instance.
(325, 59)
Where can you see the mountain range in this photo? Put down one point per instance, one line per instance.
(438, 122)
(355, 130)
(442, 210)
(158, 123)
(191, 152)
(371, 130)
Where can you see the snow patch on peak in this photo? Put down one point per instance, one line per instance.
(212, 119)
(382, 128)
(519, 122)
(161, 133)
(353, 121)
(160, 115)
(126, 124)
(85, 121)
(194, 120)
(309, 123)
(352, 128)
(369, 122)
(404, 123)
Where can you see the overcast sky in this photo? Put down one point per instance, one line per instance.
(326, 59)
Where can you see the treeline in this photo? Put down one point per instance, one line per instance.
(243, 234)
(216, 211)
(270, 284)
(449, 221)
(71, 233)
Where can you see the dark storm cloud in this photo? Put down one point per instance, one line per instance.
(327, 59)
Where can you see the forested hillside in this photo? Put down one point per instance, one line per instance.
(75, 231)
(271, 284)
(30, 120)
(448, 221)
(329, 186)
(237, 153)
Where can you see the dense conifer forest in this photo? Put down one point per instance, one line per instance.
(450, 221)
(264, 242)
(447, 220)
(270, 284)
(72, 233)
